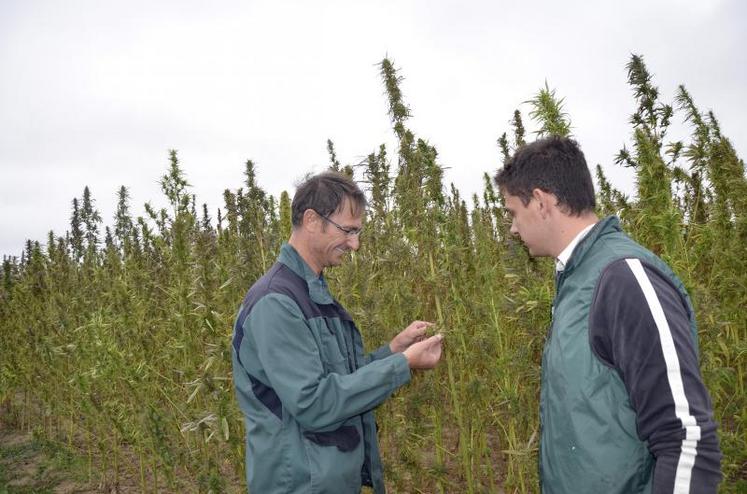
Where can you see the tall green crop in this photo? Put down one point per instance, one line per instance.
(119, 347)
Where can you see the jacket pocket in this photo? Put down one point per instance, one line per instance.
(346, 438)
(333, 347)
(335, 460)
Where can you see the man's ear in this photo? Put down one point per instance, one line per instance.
(539, 197)
(546, 202)
(310, 220)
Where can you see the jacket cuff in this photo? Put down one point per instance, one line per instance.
(401, 369)
(382, 352)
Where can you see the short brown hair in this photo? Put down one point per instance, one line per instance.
(555, 165)
(325, 193)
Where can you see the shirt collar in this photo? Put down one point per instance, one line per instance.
(318, 289)
(565, 255)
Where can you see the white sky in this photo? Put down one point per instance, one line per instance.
(95, 93)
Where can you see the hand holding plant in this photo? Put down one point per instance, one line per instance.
(425, 354)
(411, 334)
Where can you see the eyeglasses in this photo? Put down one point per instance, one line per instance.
(350, 232)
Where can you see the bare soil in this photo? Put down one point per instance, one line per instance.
(28, 466)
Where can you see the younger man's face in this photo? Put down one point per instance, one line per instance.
(528, 224)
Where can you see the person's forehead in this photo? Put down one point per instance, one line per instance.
(512, 201)
(349, 211)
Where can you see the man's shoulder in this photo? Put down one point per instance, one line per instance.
(279, 279)
(614, 247)
(621, 249)
(282, 280)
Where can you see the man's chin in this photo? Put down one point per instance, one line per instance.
(337, 258)
(534, 252)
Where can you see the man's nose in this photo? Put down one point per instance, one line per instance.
(514, 230)
(354, 242)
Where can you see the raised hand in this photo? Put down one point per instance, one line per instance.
(424, 354)
(412, 333)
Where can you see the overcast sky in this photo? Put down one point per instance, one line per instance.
(95, 93)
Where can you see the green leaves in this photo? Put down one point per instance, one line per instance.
(547, 111)
(136, 338)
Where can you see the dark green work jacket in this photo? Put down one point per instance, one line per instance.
(306, 388)
(622, 405)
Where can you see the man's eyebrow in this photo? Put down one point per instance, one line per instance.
(348, 225)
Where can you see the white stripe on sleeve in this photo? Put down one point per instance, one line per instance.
(688, 450)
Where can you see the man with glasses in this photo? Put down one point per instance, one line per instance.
(305, 387)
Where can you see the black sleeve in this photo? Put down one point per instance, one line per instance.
(640, 325)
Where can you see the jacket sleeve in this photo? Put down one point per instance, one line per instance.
(382, 352)
(640, 325)
(277, 335)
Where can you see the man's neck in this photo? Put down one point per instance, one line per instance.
(301, 247)
(570, 228)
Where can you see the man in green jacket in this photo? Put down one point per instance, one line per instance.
(623, 408)
(302, 380)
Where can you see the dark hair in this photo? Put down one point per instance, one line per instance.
(555, 165)
(325, 193)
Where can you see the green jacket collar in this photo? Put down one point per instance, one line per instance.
(318, 289)
(604, 226)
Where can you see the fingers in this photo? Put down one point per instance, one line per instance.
(425, 354)
(420, 327)
(414, 333)
(428, 344)
(434, 340)
(421, 324)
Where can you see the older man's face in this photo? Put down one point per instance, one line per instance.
(331, 243)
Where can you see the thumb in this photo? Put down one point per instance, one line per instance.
(435, 339)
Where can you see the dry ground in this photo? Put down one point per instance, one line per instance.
(28, 465)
